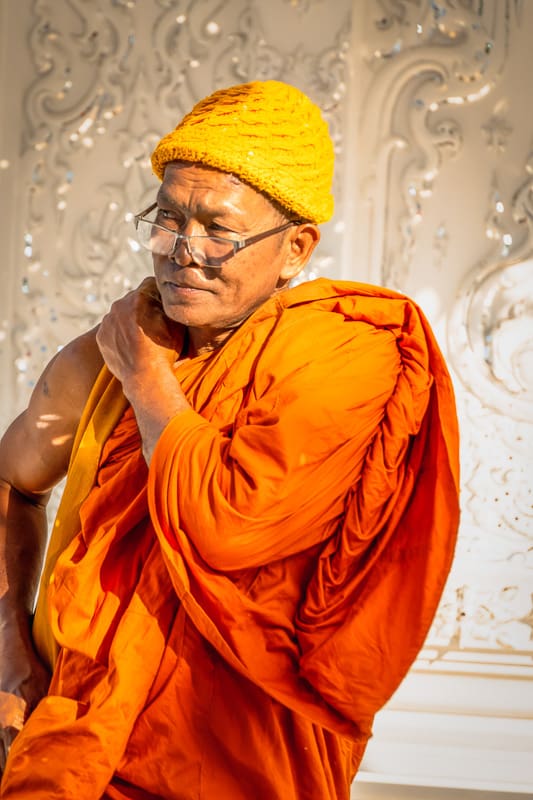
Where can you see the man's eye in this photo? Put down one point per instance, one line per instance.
(216, 228)
(167, 218)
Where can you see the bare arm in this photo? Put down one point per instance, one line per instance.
(34, 456)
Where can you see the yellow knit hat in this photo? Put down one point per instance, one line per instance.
(267, 133)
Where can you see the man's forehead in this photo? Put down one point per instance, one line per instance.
(201, 167)
(221, 190)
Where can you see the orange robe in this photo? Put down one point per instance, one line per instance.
(230, 619)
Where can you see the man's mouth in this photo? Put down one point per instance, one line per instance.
(184, 287)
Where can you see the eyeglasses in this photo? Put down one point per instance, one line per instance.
(206, 251)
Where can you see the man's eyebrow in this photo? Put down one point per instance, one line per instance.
(163, 197)
(218, 211)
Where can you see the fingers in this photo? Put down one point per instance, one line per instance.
(149, 288)
(136, 298)
(12, 710)
(7, 736)
(12, 714)
(148, 283)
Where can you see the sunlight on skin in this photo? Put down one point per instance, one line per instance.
(45, 420)
(59, 440)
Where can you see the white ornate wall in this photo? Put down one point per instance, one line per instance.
(430, 105)
(443, 165)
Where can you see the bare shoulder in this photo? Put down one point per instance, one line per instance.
(70, 375)
(35, 450)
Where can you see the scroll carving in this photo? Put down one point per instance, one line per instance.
(110, 79)
(429, 62)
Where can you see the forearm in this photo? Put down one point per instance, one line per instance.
(23, 678)
(23, 529)
(156, 397)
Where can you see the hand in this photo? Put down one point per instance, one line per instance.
(138, 343)
(23, 682)
(12, 715)
(136, 335)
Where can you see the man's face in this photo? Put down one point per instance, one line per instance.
(211, 302)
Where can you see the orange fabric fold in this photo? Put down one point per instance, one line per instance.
(231, 619)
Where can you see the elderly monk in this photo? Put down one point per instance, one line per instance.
(261, 498)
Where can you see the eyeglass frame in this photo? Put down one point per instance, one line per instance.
(237, 244)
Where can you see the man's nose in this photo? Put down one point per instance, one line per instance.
(182, 254)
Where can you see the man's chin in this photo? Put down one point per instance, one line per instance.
(186, 314)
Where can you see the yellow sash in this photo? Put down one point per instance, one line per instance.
(104, 408)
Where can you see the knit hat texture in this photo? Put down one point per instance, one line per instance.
(267, 133)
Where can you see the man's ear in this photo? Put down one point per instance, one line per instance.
(300, 243)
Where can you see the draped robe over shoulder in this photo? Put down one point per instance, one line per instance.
(226, 623)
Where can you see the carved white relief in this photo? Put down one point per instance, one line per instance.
(302, 5)
(249, 53)
(429, 62)
(497, 129)
(441, 240)
(485, 620)
(522, 210)
(484, 630)
(110, 79)
(491, 328)
(491, 348)
(492, 337)
(436, 124)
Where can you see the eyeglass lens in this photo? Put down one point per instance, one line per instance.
(204, 249)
